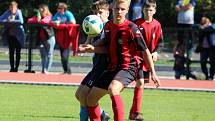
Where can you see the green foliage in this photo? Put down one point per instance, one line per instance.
(166, 12)
(81, 8)
(205, 7)
(167, 16)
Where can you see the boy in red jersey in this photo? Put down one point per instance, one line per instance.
(152, 33)
(123, 39)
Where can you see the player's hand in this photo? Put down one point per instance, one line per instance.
(89, 48)
(82, 48)
(56, 22)
(38, 18)
(86, 48)
(154, 56)
(155, 79)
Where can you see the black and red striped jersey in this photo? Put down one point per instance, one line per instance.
(123, 41)
(152, 34)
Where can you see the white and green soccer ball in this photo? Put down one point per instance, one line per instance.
(92, 25)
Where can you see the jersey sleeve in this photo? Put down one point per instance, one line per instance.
(159, 38)
(70, 16)
(138, 38)
(54, 18)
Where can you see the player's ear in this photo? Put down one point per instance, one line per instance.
(108, 13)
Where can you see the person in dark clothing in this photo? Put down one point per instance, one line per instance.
(13, 34)
(179, 63)
(206, 48)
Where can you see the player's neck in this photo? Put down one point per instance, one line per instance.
(118, 21)
(148, 19)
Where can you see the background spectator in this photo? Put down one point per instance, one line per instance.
(45, 36)
(63, 16)
(206, 48)
(180, 62)
(13, 33)
(135, 10)
(185, 19)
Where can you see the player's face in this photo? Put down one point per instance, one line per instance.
(60, 10)
(149, 12)
(103, 14)
(119, 12)
(42, 11)
(13, 8)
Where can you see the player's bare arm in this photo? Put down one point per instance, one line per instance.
(148, 57)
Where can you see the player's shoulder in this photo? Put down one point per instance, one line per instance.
(155, 21)
(133, 27)
(131, 24)
(108, 24)
(139, 21)
(68, 12)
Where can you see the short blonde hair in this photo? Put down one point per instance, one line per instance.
(122, 1)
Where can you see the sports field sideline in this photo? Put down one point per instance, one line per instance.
(74, 79)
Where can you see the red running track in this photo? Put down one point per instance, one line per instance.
(75, 79)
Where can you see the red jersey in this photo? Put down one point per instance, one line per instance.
(152, 34)
(67, 35)
(123, 41)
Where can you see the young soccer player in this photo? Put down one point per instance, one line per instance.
(123, 39)
(152, 33)
(100, 62)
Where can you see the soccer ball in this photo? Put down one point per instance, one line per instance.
(92, 25)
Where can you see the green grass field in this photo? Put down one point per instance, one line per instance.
(57, 103)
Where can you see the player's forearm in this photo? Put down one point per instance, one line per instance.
(71, 22)
(88, 41)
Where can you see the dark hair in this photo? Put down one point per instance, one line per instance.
(150, 3)
(100, 4)
(62, 5)
(13, 3)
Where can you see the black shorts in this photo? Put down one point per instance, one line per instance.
(124, 76)
(91, 77)
(100, 64)
(143, 75)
